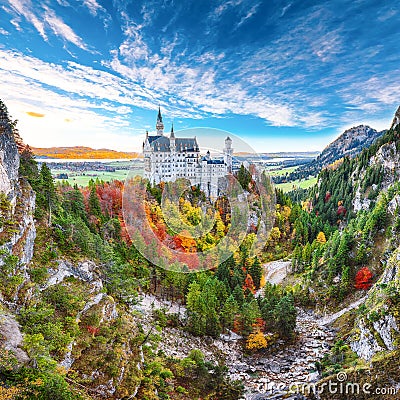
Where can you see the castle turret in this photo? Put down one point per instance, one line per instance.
(159, 124)
(228, 152)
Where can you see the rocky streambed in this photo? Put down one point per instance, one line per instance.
(271, 374)
(266, 375)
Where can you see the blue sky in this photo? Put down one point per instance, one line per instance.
(283, 75)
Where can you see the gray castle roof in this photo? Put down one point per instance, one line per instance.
(210, 161)
(162, 143)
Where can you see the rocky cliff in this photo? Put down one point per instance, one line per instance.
(17, 231)
(17, 236)
(378, 331)
(396, 119)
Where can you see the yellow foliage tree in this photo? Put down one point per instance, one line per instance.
(321, 238)
(256, 341)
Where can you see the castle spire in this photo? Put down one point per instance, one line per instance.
(172, 131)
(159, 124)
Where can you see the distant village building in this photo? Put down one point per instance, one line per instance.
(169, 158)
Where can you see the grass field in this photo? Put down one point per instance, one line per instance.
(287, 187)
(83, 180)
(278, 172)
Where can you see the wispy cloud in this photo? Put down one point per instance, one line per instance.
(224, 6)
(62, 30)
(44, 19)
(97, 10)
(249, 14)
(26, 9)
(93, 6)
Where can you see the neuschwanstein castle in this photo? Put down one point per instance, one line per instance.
(169, 158)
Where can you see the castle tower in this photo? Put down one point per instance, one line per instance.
(159, 124)
(228, 152)
(172, 140)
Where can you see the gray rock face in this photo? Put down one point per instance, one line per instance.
(381, 334)
(86, 271)
(20, 241)
(396, 119)
(11, 338)
(385, 327)
(367, 346)
(394, 204)
(9, 161)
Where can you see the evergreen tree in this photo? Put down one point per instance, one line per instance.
(238, 295)
(244, 177)
(285, 315)
(256, 272)
(229, 311)
(94, 203)
(250, 312)
(46, 196)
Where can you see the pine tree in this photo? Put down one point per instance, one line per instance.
(256, 272)
(285, 316)
(250, 313)
(238, 295)
(46, 194)
(244, 177)
(229, 311)
(94, 203)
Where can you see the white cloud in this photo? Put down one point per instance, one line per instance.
(43, 19)
(284, 9)
(16, 23)
(249, 14)
(387, 14)
(62, 30)
(25, 8)
(4, 32)
(224, 6)
(93, 6)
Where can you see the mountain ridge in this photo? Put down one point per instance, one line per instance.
(350, 143)
(81, 152)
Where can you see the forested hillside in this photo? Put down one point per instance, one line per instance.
(75, 318)
(72, 303)
(349, 144)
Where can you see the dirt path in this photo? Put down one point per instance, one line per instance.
(329, 319)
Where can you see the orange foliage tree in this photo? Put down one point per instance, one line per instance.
(249, 284)
(256, 341)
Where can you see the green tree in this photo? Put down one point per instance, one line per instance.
(250, 312)
(256, 272)
(94, 203)
(244, 177)
(229, 312)
(46, 196)
(285, 315)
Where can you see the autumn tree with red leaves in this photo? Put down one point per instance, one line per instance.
(363, 279)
